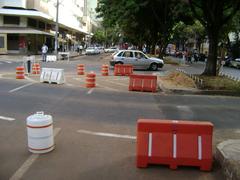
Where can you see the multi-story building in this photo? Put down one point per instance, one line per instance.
(26, 24)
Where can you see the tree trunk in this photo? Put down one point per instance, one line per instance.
(211, 65)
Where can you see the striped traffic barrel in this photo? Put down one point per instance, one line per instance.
(80, 69)
(40, 133)
(91, 80)
(20, 72)
(105, 70)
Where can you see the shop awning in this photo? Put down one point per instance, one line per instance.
(15, 30)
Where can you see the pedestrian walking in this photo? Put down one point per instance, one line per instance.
(44, 52)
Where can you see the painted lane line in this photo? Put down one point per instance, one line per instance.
(106, 134)
(90, 91)
(8, 62)
(21, 87)
(7, 118)
(30, 79)
(27, 164)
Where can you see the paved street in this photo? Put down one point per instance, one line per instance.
(198, 68)
(81, 113)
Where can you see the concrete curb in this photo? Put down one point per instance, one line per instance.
(228, 156)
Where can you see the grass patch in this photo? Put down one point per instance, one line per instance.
(220, 83)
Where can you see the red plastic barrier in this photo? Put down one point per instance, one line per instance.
(123, 69)
(143, 83)
(174, 143)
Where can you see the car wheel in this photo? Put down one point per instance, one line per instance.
(154, 66)
(119, 63)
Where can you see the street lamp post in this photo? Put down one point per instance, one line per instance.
(56, 29)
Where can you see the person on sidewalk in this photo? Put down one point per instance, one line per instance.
(44, 52)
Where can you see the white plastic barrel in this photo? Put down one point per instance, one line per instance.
(40, 133)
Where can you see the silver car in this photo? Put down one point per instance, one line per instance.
(92, 50)
(138, 59)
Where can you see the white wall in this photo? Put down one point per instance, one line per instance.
(13, 3)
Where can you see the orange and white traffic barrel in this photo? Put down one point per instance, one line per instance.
(105, 70)
(36, 68)
(91, 80)
(40, 133)
(80, 69)
(20, 72)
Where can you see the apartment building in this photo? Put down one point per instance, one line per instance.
(26, 24)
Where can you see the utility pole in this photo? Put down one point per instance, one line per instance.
(56, 29)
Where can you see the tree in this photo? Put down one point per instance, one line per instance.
(144, 21)
(214, 15)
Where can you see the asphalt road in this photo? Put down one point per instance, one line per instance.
(109, 108)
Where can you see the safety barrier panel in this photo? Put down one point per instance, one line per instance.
(146, 83)
(91, 80)
(52, 75)
(51, 58)
(80, 69)
(105, 70)
(174, 143)
(36, 68)
(123, 69)
(63, 55)
(20, 72)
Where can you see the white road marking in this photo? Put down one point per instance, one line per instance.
(90, 91)
(8, 62)
(27, 164)
(6, 118)
(21, 87)
(106, 134)
(30, 79)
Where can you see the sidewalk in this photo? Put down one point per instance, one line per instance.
(20, 58)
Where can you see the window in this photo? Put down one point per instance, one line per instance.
(11, 20)
(32, 22)
(1, 42)
(120, 54)
(41, 25)
(128, 54)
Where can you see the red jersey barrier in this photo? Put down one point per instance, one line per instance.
(123, 69)
(143, 83)
(174, 143)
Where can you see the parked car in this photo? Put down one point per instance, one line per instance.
(138, 59)
(92, 50)
(111, 50)
(235, 63)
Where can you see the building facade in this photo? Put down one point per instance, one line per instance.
(26, 24)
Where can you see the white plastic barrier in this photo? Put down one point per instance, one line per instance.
(40, 133)
(52, 75)
(62, 54)
(51, 58)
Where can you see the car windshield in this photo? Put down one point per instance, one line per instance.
(90, 48)
(140, 55)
